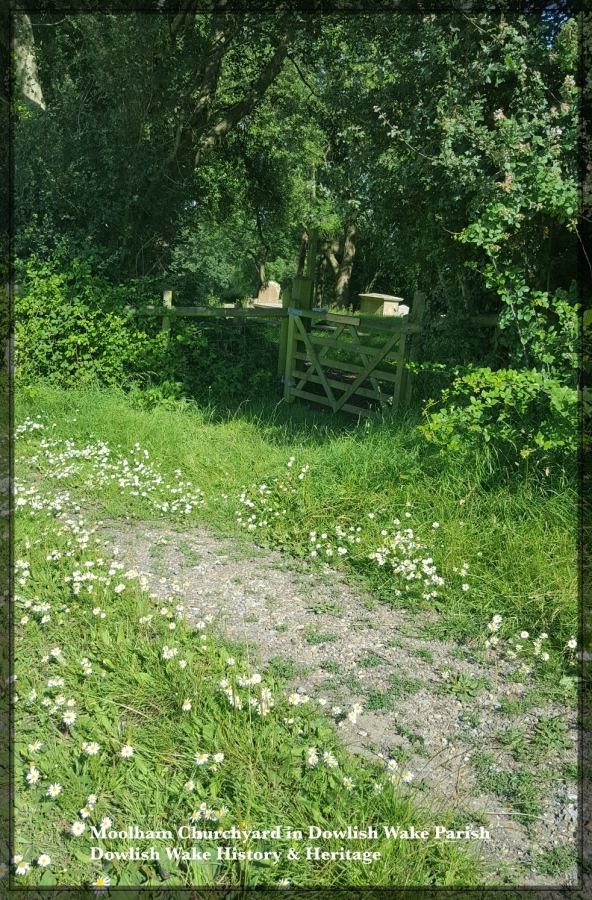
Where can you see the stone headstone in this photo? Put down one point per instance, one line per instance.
(269, 295)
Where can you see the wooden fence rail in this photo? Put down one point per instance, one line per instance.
(349, 363)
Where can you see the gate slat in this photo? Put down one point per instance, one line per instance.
(347, 407)
(314, 360)
(364, 392)
(369, 368)
(348, 367)
(365, 357)
(353, 347)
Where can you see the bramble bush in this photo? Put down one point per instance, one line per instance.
(71, 327)
(522, 231)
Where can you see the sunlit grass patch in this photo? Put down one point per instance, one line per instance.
(365, 499)
(130, 724)
(146, 715)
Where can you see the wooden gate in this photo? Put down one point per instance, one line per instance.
(350, 363)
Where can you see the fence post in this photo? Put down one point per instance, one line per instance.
(288, 377)
(416, 315)
(167, 300)
(286, 302)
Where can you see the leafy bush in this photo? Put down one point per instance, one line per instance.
(521, 412)
(73, 328)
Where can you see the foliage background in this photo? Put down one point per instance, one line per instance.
(435, 152)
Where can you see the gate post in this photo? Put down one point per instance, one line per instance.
(283, 343)
(303, 287)
(288, 382)
(416, 316)
(299, 296)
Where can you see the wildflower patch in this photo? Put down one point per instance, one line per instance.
(118, 700)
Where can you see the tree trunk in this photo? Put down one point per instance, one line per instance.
(26, 63)
(321, 274)
(346, 265)
(302, 255)
(261, 279)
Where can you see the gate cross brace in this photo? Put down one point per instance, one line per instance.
(369, 368)
(315, 361)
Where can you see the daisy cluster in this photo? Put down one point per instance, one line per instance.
(404, 554)
(131, 472)
(396, 777)
(62, 690)
(522, 647)
(325, 546)
(206, 812)
(329, 759)
(28, 427)
(342, 718)
(76, 829)
(261, 699)
(265, 502)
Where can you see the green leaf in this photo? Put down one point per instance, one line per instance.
(48, 877)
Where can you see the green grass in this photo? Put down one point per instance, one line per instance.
(521, 789)
(331, 666)
(401, 687)
(284, 668)
(132, 695)
(517, 539)
(327, 609)
(463, 686)
(319, 637)
(556, 861)
(370, 659)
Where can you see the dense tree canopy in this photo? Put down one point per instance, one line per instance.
(434, 152)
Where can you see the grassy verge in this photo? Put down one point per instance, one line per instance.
(116, 682)
(511, 540)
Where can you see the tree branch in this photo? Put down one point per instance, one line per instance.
(327, 250)
(302, 78)
(219, 38)
(187, 7)
(26, 63)
(248, 102)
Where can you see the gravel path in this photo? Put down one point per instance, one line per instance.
(376, 656)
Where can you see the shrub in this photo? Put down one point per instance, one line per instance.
(71, 328)
(521, 412)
